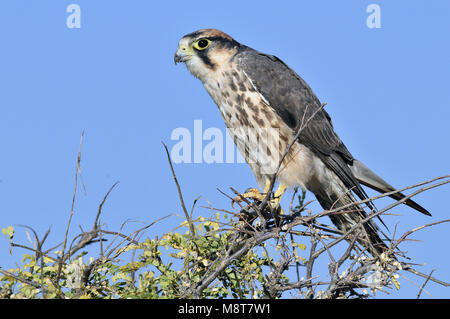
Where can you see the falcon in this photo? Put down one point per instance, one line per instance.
(257, 94)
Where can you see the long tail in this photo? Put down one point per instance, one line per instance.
(344, 220)
(367, 177)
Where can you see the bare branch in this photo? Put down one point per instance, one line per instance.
(78, 168)
(180, 195)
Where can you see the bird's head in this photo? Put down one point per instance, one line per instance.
(205, 51)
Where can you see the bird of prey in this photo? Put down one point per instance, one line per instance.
(255, 91)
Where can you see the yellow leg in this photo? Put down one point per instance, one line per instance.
(278, 196)
(280, 192)
(254, 193)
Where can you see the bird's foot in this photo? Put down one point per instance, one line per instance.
(255, 195)
(250, 193)
(254, 215)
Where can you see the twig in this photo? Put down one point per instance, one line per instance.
(424, 284)
(61, 260)
(180, 195)
(418, 273)
(102, 203)
(23, 280)
(403, 237)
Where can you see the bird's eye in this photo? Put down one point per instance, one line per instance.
(202, 44)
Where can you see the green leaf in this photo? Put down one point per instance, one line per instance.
(395, 282)
(8, 232)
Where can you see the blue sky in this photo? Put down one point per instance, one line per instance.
(386, 89)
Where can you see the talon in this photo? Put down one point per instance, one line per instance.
(279, 194)
(250, 193)
(255, 194)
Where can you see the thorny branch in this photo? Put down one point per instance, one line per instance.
(352, 273)
(361, 271)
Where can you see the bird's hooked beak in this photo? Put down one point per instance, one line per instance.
(183, 54)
